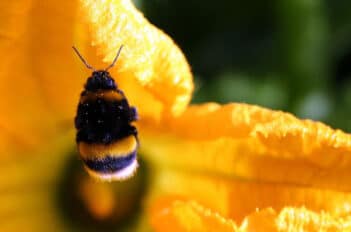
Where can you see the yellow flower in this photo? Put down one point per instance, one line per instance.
(205, 167)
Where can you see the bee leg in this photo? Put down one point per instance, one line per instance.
(133, 130)
(133, 114)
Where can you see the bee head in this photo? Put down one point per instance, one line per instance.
(100, 79)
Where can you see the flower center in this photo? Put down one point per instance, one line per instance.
(98, 206)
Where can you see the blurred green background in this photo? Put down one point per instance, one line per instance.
(291, 55)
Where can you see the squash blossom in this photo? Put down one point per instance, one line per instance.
(207, 167)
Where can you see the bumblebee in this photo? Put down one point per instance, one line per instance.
(107, 141)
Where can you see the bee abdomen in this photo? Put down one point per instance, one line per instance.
(110, 164)
(112, 159)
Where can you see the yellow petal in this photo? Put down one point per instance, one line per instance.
(162, 76)
(40, 78)
(253, 143)
(294, 219)
(236, 198)
(236, 158)
(28, 191)
(177, 214)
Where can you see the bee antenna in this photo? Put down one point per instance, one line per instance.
(115, 59)
(82, 59)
